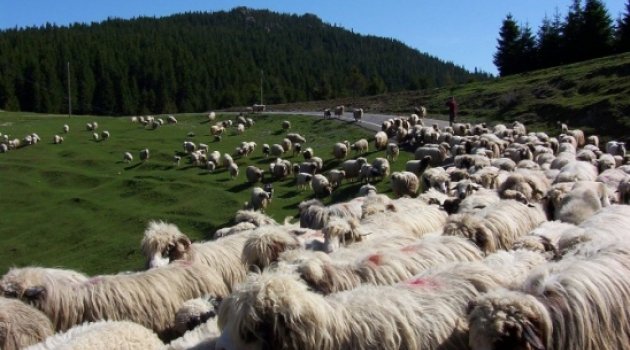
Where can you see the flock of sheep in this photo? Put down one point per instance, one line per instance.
(497, 238)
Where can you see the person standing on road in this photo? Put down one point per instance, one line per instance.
(452, 110)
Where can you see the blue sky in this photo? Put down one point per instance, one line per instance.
(463, 32)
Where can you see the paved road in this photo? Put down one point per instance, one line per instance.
(369, 121)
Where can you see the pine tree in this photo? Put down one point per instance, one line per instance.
(527, 46)
(597, 31)
(549, 41)
(622, 35)
(572, 34)
(508, 51)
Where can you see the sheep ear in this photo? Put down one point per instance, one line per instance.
(184, 241)
(391, 207)
(36, 292)
(532, 336)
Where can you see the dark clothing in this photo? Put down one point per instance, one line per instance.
(452, 110)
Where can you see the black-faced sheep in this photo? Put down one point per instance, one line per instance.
(418, 166)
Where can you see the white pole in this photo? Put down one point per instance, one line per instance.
(69, 93)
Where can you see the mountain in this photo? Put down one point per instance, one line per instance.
(200, 61)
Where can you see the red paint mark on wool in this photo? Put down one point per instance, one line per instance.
(95, 280)
(375, 259)
(409, 249)
(422, 283)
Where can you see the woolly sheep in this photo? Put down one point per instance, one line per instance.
(340, 150)
(4, 148)
(127, 157)
(276, 150)
(436, 178)
(212, 116)
(366, 190)
(105, 135)
(545, 238)
(314, 215)
(266, 150)
(392, 152)
(381, 167)
(171, 119)
(404, 183)
(149, 298)
(575, 303)
(582, 201)
(233, 170)
(352, 167)
(286, 125)
(66, 128)
(321, 186)
(357, 114)
(380, 140)
(303, 180)
(253, 174)
(360, 146)
(296, 138)
(216, 130)
(204, 336)
(21, 325)
(436, 152)
(103, 335)
(259, 199)
(367, 173)
(577, 171)
(280, 168)
(308, 153)
(424, 312)
(386, 266)
(418, 166)
(286, 145)
(57, 139)
(327, 114)
(525, 186)
(605, 162)
(227, 160)
(96, 136)
(335, 177)
(496, 226)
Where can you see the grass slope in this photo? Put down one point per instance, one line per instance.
(77, 205)
(594, 95)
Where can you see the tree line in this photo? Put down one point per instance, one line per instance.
(586, 32)
(201, 61)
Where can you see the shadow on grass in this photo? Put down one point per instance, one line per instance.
(131, 167)
(240, 187)
(278, 132)
(290, 194)
(345, 192)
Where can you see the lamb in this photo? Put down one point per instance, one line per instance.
(436, 178)
(436, 152)
(21, 325)
(335, 177)
(575, 303)
(144, 155)
(258, 200)
(254, 174)
(352, 167)
(361, 146)
(57, 139)
(404, 183)
(497, 226)
(385, 266)
(418, 166)
(380, 140)
(103, 335)
(357, 114)
(340, 150)
(321, 186)
(392, 152)
(424, 312)
(149, 298)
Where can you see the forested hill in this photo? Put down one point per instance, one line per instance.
(201, 61)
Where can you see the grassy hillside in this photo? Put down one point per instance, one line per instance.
(77, 205)
(594, 95)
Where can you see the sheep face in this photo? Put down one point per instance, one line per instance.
(341, 231)
(500, 322)
(164, 243)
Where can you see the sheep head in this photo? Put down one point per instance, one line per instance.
(164, 243)
(508, 320)
(339, 231)
(266, 244)
(273, 311)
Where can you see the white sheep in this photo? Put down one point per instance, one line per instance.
(380, 140)
(582, 201)
(253, 174)
(259, 199)
(336, 176)
(437, 153)
(314, 215)
(66, 128)
(360, 146)
(303, 180)
(308, 153)
(103, 335)
(286, 125)
(321, 186)
(105, 135)
(233, 170)
(96, 136)
(276, 150)
(227, 160)
(21, 325)
(57, 139)
(381, 167)
(171, 119)
(240, 128)
(340, 150)
(280, 169)
(392, 152)
(404, 183)
(295, 137)
(127, 157)
(436, 178)
(352, 167)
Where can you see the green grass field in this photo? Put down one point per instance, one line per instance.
(78, 205)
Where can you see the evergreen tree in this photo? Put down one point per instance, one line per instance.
(597, 32)
(622, 35)
(528, 52)
(549, 41)
(508, 50)
(572, 34)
